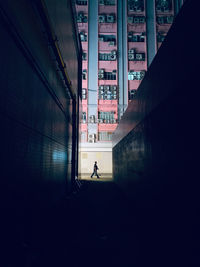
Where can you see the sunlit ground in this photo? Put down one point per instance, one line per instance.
(101, 178)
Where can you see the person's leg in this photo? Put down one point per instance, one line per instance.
(92, 174)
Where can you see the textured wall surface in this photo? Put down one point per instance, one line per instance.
(156, 145)
(35, 108)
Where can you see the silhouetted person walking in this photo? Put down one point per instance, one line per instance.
(95, 170)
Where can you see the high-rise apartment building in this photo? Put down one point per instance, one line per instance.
(119, 40)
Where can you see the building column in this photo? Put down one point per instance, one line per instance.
(122, 56)
(151, 31)
(177, 6)
(92, 64)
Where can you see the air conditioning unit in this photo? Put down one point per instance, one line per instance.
(100, 120)
(101, 18)
(101, 76)
(114, 87)
(131, 8)
(111, 43)
(114, 121)
(160, 20)
(110, 19)
(138, 56)
(92, 119)
(142, 73)
(165, 9)
(170, 19)
(141, 39)
(142, 19)
(107, 87)
(138, 9)
(101, 71)
(130, 19)
(101, 2)
(82, 36)
(135, 38)
(105, 56)
(92, 138)
(130, 35)
(101, 87)
(130, 76)
(79, 19)
(112, 57)
(131, 57)
(136, 75)
(136, 20)
(131, 51)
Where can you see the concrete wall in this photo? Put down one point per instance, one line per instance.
(89, 153)
(156, 148)
(36, 137)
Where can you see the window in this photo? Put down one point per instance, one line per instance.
(108, 38)
(83, 36)
(84, 93)
(133, 56)
(107, 2)
(107, 18)
(81, 18)
(136, 37)
(84, 118)
(136, 75)
(107, 75)
(165, 19)
(106, 117)
(108, 92)
(136, 5)
(160, 37)
(163, 5)
(131, 94)
(108, 56)
(81, 3)
(84, 74)
(84, 56)
(105, 136)
(136, 20)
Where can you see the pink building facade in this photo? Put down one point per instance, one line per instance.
(119, 40)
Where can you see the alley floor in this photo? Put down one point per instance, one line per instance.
(96, 226)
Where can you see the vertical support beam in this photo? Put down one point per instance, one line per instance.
(177, 6)
(92, 62)
(122, 56)
(151, 31)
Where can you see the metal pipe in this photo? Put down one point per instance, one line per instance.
(42, 10)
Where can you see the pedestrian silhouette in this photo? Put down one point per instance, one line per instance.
(95, 170)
